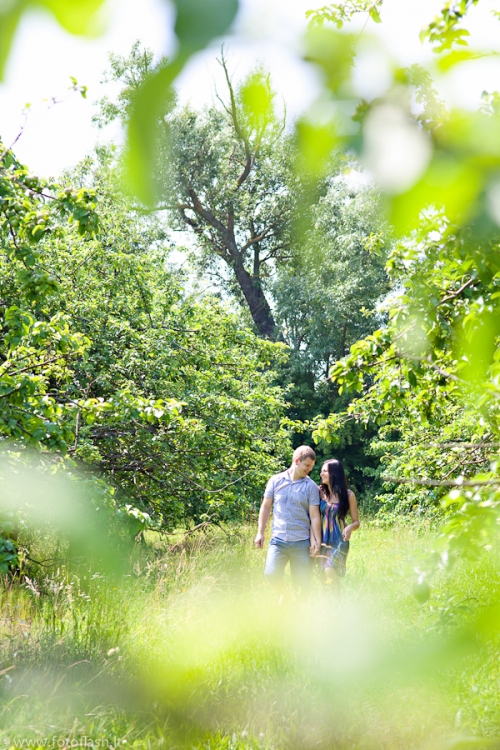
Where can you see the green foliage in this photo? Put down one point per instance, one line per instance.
(235, 196)
(266, 223)
(37, 348)
(225, 176)
(429, 379)
(131, 71)
(175, 401)
(9, 555)
(449, 164)
(109, 367)
(444, 30)
(342, 12)
(265, 227)
(325, 297)
(10, 559)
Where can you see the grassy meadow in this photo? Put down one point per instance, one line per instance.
(191, 650)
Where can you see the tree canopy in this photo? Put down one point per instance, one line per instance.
(225, 175)
(428, 379)
(114, 370)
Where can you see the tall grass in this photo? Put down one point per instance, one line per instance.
(191, 649)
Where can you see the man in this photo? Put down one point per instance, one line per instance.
(296, 507)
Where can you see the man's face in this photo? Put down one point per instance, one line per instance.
(305, 467)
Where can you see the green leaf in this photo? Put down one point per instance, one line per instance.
(478, 344)
(76, 16)
(421, 591)
(148, 106)
(316, 142)
(448, 184)
(334, 53)
(8, 26)
(257, 99)
(446, 62)
(200, 21)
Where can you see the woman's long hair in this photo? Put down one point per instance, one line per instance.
(338, 486)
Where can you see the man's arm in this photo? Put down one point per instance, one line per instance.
(264, 512)
(315, 517)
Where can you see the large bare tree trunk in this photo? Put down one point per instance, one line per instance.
(256, 301)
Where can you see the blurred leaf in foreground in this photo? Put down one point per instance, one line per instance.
(40, 501)
(198, 21)
(75, 16)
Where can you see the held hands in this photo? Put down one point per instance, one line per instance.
(314, 547)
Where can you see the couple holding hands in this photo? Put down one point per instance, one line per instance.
(308, 521)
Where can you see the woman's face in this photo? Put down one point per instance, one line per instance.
(324, 474)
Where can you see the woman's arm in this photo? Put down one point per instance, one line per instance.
(353, 512)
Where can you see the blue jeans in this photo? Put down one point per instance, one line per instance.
(279, 553)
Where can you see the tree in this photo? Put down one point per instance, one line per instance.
(38, 348)
(327, 295)
(325, 298)
(177, 409)
(224, 174)
(132, 72)
(110, 370)
(428, 378)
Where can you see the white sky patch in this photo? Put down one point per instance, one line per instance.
(494, 202)
(203, 77)
(396, 150)
(373, 71)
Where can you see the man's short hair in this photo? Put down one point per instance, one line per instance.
(303, 452)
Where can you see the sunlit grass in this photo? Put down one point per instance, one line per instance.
(192, 647)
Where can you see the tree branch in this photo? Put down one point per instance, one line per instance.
(237, 126)
(257, 238)
(443, 483)
(453, 295)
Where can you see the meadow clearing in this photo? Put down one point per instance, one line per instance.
(191, 649)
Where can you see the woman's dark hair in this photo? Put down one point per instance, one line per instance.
(338, 486)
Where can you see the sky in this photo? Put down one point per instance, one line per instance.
(43, 57)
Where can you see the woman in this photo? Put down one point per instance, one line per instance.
(336, 502)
